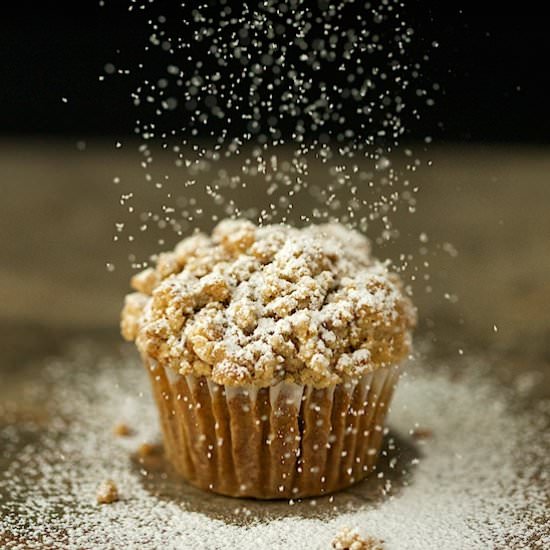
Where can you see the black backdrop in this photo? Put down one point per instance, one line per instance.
(493, 68)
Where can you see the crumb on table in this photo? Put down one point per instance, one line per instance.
(349, 539)
(421, 433)
(122, 429)
(107, 492)
(148, 449)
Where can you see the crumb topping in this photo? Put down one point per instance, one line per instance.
(349, 539)
(255, 305)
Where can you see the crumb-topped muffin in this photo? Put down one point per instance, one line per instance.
(273, 354)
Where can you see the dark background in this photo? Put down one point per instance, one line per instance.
(492, 67)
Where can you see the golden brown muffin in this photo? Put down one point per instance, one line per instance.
(273, 354)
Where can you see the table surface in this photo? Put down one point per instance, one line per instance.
(59, 206)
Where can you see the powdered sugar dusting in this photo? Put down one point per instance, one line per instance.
(479, 481)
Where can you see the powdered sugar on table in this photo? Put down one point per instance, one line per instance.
(478, 479)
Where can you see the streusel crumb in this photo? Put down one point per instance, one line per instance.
(148, 449)
(255, 305)
(349, 539)
(121, 429)
(107, 492)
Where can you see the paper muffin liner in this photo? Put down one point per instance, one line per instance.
(285, 441)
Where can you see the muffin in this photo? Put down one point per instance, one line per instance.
(273, 353)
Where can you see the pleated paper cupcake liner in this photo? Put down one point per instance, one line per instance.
(285, 441)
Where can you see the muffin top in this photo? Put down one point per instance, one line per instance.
(256, 305)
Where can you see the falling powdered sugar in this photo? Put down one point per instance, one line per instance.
(292, 112)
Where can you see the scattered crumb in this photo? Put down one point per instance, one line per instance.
(122, 430)
(421, 433)
(350, 539)
(148, 449)
(107, 492)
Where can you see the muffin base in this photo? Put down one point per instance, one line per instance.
(285, 441)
